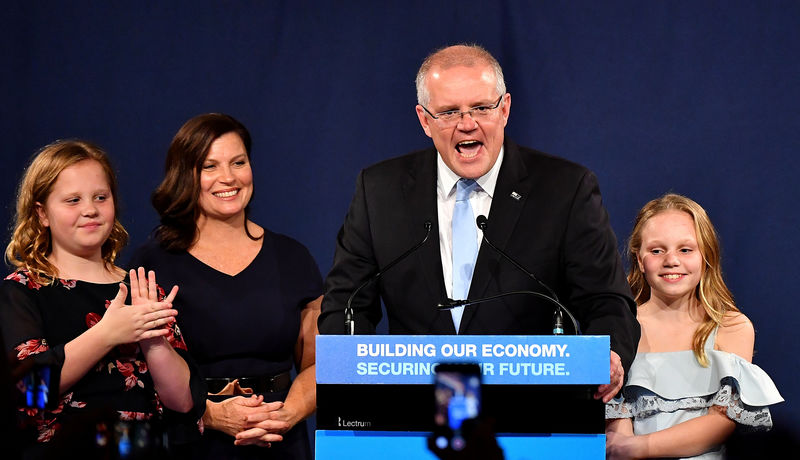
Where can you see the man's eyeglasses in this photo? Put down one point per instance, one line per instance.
(451, 117)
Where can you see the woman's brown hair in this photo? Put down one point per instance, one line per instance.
(176, 198)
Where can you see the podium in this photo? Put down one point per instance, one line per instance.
(375, 393)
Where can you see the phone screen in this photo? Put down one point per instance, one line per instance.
(457, 391)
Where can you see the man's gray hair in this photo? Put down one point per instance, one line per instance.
(468, 55)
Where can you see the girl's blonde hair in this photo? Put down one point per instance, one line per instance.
(712, 293)
(30, 242)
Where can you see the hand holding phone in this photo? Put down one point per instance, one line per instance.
(457, 390)
(460, 432)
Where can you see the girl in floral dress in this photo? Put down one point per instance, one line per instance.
(65, 307)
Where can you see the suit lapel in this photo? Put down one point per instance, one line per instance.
(510, 195)
(419, 193)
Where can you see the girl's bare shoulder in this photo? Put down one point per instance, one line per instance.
(736, 335)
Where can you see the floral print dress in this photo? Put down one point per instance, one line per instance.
(38, 320)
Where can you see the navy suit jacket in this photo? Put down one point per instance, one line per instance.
(546, 213)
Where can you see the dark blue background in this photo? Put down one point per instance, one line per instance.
(700, 98)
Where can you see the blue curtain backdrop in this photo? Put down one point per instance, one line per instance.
(699, 98)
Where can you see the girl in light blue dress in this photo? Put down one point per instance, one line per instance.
(692, 380)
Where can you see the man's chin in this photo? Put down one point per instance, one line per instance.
(471, 173)
(472, 168)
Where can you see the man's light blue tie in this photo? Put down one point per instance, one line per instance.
(465, 245)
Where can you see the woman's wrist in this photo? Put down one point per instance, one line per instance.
(289, 415)
(209, 415)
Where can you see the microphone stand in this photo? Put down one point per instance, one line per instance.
(558, 315)
(466, 302)
(349, 322)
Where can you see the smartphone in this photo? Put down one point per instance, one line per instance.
(457, 393)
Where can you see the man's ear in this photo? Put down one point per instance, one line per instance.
(42, 215)
(423, 120)
(506, 108)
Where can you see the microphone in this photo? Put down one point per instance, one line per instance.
(558, 315)
(451, 303)
(349, 322)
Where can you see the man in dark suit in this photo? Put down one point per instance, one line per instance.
(545, 212)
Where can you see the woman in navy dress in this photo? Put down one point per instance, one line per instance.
(249, 297)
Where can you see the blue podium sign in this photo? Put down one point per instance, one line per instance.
(356, 445)
(504, 360)
(375, 396)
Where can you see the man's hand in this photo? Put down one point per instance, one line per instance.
(608, 390)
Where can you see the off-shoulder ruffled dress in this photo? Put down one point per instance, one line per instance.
(668, 388)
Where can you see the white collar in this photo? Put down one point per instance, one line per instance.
(446, 178)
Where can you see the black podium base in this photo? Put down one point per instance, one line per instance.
(514, 408)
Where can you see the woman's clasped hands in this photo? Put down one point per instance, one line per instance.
(266, 425)
(249, 419)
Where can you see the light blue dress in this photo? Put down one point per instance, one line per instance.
(668, 388)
